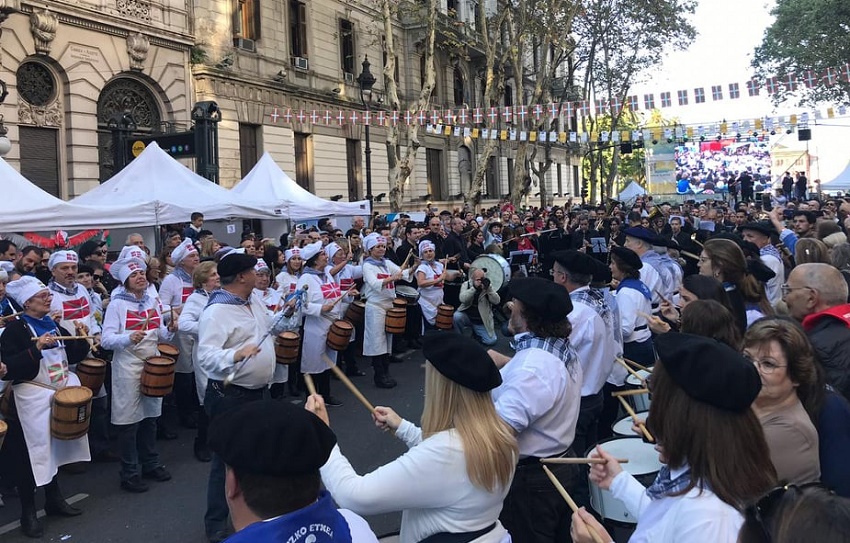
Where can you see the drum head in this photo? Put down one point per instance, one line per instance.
(341, 324)
(634, 381)
(290, 336)
(168, 350)
(93, 362)
(406, 291)
(160, 361)
(623, 427)
(495, 268)
(643, 458)
(72, 395)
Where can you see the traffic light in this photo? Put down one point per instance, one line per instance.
(584, 190)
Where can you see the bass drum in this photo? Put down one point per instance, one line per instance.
(496, 269)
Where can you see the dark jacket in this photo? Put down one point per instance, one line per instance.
(834, 443)
(22, 358)
(829, 332)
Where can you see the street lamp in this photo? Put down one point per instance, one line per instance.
(367, 81)
(5, 144)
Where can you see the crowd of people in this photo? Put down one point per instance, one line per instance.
(739, 318)
(738, 169)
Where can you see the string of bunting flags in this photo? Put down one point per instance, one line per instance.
(517, 119)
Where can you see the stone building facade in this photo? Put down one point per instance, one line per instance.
(71, 64)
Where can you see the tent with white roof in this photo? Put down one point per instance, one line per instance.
(268, 188)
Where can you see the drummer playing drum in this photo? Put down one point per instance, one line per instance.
(430, 276)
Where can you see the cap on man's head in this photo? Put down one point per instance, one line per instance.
(269, 437)
(545, 299)
(234, 263)
(461, 359)
(576, 261)
(628, 256)
(88, 248)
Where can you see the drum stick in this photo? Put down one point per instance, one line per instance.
(348, 384)
(536, 233)
(311, 386)
(341, 296)
(567, 498)
(635, 418)
(632, 392)
(12, 316)
(60, 338)
(568, 460)
(638, 366)
(630, 370)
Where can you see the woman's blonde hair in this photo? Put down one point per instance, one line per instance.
(207, 247)
(489, 445)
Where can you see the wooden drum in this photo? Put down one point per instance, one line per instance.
(92, 373)
(3, 428)
(396, 320)
(400, 303)
(287, 345)
(158, 376)
(168, 350)
(356, 313)
(70, 413)
(339, 335)
(445, 317)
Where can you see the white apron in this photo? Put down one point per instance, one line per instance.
(379, 298)
(129, 405)
(33, 403)
(430, 297)
(315, 336)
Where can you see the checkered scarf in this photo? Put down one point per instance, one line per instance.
(664, 486)
(556, 346)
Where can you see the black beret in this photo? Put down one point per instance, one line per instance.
(628, 256)
(85, 268)
(765, 227)
(759, 270)
(492, 224)
(461, 359)
(234, 263)
(89, 247)
(575, 261)
(270, 437)
(601, 273)
(544, 298)
(642, 233)
(709, 371)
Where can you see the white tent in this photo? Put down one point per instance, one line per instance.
(632, 190)
(267, 187)
(159, 190)
(27, 208)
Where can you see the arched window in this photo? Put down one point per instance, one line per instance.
(123, 95)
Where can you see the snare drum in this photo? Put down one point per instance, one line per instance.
(495, 268)
(410, 294)
(643, 464)
(640, 402)
(623, 427)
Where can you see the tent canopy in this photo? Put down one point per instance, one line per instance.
(159, 190)
(268, 188)
(632, 190)
(28, 208)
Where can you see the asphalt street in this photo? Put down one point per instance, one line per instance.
(173, 511)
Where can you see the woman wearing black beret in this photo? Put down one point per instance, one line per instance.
(460, 464)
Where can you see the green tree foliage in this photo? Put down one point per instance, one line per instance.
(806, 35)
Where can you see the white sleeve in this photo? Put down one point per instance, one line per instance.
(628, 311)
(523, 400)
(370, 277)
(409, 433)
(112, 338)
(170, 292)
(213, 358)
(358, 527)
(356, 271)
(187, 322)
(706, 520)
(381, 491)
(628, 490)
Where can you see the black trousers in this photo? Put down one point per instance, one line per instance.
(534, 511)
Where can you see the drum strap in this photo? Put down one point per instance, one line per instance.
(42, 385)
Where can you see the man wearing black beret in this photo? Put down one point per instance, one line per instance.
(539, 398)
(655, 274)
(272, 452)
(592, 336)
(759, 232)
(233, 339)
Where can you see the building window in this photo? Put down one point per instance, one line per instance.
(36, 85)
(298, 28)
(123, 95)
(352, 161)
(509, 96)
(453, 8)
(458, 87)
(304, 161)
(39, 150)
(346, 46)
(575, 181)
(560, 180)
(248, 146)
(434, 171)
(246, 20)
(475, 6)
(510, 174)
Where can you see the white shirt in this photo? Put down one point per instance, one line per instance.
(630, 302)
(773, 288)
(696, 517)
(429, 503)
(649, 276)
(593, 345)
(539, 398)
